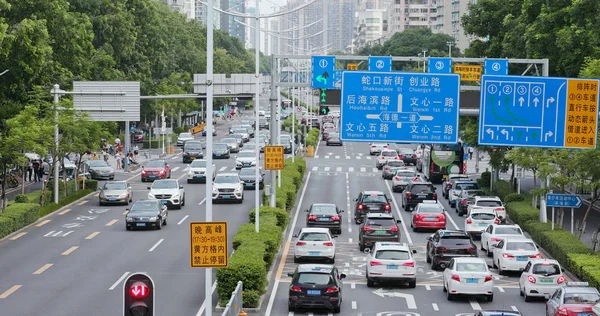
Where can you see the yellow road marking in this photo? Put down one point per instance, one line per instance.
(68, 251)
(124, 213)
(82, 202)
(42, 223)
(17, 236)
(10, 291)
(43, 268)
(111, 222)
(63, 212)
(92, 235)
(282, 260)
(97, 194)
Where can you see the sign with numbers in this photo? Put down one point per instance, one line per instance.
(208, 245)
(274, 158)
(468, 72)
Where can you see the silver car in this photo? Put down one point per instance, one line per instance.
(389, 169)
(376, 148)
(402, 178)
(184, 137)
(100, 170)
(232, 143)
(385, 156)
(243, 132)
(115, 192)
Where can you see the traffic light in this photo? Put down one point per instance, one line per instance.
(323, 109)
(138, 299)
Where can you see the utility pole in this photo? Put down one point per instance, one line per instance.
(450, 44)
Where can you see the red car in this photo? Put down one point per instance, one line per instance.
(575, 299)
(156, 169)
(137, 137)
(428, 215)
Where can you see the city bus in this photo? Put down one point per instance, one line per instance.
(439, 160)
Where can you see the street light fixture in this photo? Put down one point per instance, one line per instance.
(450, 44)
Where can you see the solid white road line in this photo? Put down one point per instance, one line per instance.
(156, 245)
(452, 221)
(203, 307)
(474, 304)
(183, 219)
(408, 238)
(353, 304)
(435, 307)
(202, 202)
(119, 281)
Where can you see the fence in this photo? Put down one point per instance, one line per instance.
(234, 306)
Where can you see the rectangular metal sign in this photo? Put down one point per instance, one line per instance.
(468, 72)
(322, 72)
(400, 107)
(274, 158)
(380, 63)
(352, 66)
(563, 200)
(495, 67)
(208, 245)
(439, 65)
(337, 79)
(538, 112)
(108, 100)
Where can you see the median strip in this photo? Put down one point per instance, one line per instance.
(43, 268)
(68, 251)
(10, 291)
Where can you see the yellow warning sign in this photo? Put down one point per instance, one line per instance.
(208, 245)
(352, 66)
(274, 158)
(582, 111)
(468, 72)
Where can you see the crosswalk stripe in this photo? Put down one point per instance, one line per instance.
(316, 156)
(326, 157)
(358, 157)
(233, 169)
(363, 169)
(174, 157)
(347, 157)
(337, 157)
(338, 169)
(369, 158)
(350, 169)
(315, 168)
(222, 169)
(175, 169)
(375, 170)
(326, 169)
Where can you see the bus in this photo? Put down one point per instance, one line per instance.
(439, 160)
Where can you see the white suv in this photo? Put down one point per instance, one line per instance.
(489, 202)
(391, 262)
(168, 191)
(228, 187)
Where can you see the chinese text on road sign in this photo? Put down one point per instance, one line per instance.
(563, 200)
(468, 72)
(274, 158)
(208, 244)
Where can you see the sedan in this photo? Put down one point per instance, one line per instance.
(493, 234)
(214, 132)
(512, 254)
(428, 215)
(376, 148)
(232, 143)
(184, 137)
(245, 159)
(197, 171)
(390, 168)
(402, 178)
(334, 139)
(248, 177)
(315, 243)
(385, 156)
(115, 192)
(465, 198)
(468, 276)
(221, 151)
(478, 220)
(146, 214)
(99, 170)
(575, 299)
(325, 215)
(156, 169)
(408, 156)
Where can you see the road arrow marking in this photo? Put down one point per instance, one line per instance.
(535, 102)
(505, 133)
(521, 100)
(548, 134)
(410, 299)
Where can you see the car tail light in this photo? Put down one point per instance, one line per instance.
(463, 201)
(373, 146)
(394, 229)
(418, 217)
(397, 179)
(312, 218)
(441, 249)
(435, 196)
(375, 263)
(335, 218)
(385, 146)
(497, 221)
(367, 229)
(560, 280)
(408, 195)
(494, 239)
(400, 157)
(387, 207)
(472, 250)
(563, 312)
(300, 243)
(387, 168)
(328, 138)
(332, 290)
(381, 157)
(455, 277)
(360, 207)
(499, 208)
(328, 243)
(409, 264)
(536, 256)
(432, 167)
(296, 289)
(505, 255)
(469, 221)
(415, 156)
(531, 279)
(143, 172)
(488, 278)
(449, 185)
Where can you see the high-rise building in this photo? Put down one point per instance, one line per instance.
(449, 14)
(201, 13)
(250, 28)
(228, 23)
(371, 27)
(187, 7)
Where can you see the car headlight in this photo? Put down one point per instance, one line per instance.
(215, 190)
(130, 219)
(254, 163)
(238, 189)
(190, 172)
(175, 196)
(122, 195)
(153, 218)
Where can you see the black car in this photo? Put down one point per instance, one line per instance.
(370, 202)
(445, 244)
(417, 192)
(192, 150)
(316, 286)
(325, 215)
(248, 177)
(146, 214)
(378, 227)
(221, 151)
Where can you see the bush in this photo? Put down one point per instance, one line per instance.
(502, 188)
(21, 198)
(89, 184)
(281, 215)
(586, 267)
(514, 197)
(179, 129)
(484, 180)
(558, 242)
(522, 212)
(17, 216)
(49, 208)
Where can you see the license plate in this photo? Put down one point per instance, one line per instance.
(199, 176)
(422, 196)
(430, 218)
(314, 253)
(313, 292)
(247, 165)
(140, 224)
(380, 232)
(218, 155)
(192, 158)
(522, 258)
(226, 196)
(546, 280)
(392, 267)
(112, 199)
(471, 280)
(373, 208)
(106, 174)
(483, 224)
(324, 219)
(585, 314)
(248, 184)
(164, 201)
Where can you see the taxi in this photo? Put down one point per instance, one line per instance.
(575, 299)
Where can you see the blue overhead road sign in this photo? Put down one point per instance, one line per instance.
(400, 107)
(563, 200)
(337, 79)
(440, 65)
(538, 112)
(495, 67)
(322, 72)
(380, 63)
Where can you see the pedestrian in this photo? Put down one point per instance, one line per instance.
(94, 156)
(470, 153)
(29, 170)
(41, 172)
(36, 170)
(136, 151)
(119, 158)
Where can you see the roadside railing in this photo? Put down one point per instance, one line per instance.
(234, 306)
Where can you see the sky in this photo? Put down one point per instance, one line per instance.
(266, 6)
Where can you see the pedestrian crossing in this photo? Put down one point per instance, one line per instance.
(359, 157)
(345, 169)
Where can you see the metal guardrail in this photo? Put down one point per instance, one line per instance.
(234, 306)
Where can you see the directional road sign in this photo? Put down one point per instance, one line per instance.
(399, 107)
(563, 200)
(495, 67)
(380, 63)
(208, 245)
(440, 65)
(322, 72)
(538, 112)
(337, 79)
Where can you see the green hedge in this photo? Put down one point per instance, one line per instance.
(89, 184)
(17, 216)
(522, 212)
(49, 208)
(586, 267)
(281, 215)
(502, 189)
(313, 137)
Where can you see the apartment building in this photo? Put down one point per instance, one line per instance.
(187, 7)
(201, 10)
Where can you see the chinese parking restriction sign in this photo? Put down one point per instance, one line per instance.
(274, 158)
(208, 245)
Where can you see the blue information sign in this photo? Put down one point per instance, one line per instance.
(322, 72)
(563, 200)
(337, 79)
(440, 65)
(380, 63)
(495, 67)
(538, 112)
(400, 107)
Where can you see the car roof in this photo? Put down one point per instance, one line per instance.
(379, 215)
(373, 192)
(480, 197)
(227, 174)
(470, 259)
(315, 268)
(579, 289)
(430, 202)
(115, 181)
(314, 230)
(465, 181)
(391, 245)
(388, 149)
(544, 260)
(421, 182)
(459, 176)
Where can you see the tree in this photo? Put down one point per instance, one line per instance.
(584, 160)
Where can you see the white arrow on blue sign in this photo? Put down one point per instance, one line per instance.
(563, 200)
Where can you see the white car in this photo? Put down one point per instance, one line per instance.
(168, 191)
(493, 234)
(385, 156)
(512, 254)
(315, 243)
(376, 148)
(391, 262)
(228, 187)
(489, 202)
(245, 159)
(458, 186)
(478, 220)
(468, 276)
(184, 137)
(243, 132)
(540, 278)
(197, 171)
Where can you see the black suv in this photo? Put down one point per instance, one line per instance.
(370, 202)
(316, 286)
(417, 192)
(378, 227)
(444, 245)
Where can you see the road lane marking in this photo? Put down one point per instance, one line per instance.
(350, 169)
(316, 156)
(202, 202)
(369, 158)
(125, 213)
(353, 285)
(10, 291)
(68, 251)
(338, 169)
(222, 169)
(111, 222)
(353, 304)
(451, 221)
(427, 287)
(203, 307)
(42, 223)
(183, 219)
(435, 307)
(327, 157)
(363, 169)
(43, 268)
(375, 170)
(349, 229)
(17, 236)
(514, 308)
(315, 168)
(346, 264)
(64, 211)
(156, 245)
(175, 169)
(500, 289)
(347, 157)
(408, 238)
(82, 202)
(350, 240)
(97, 194)
(92, 235)
(474, 304)
(119, 281)
(337, 157)
(327, 169)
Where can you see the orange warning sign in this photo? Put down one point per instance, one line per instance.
(582, 112)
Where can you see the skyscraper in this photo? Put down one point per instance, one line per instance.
(187, 7)
(201, 10)
(228, 23)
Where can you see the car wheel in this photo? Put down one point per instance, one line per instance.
(427, 257)
(434, 264)
(490, 298)
(331, 261)
(361, 247)
(165, 222)
(159, 227)
(100, 204)
(127, 228)
(449, 295)
(183, 201)
(370, 283)
(143, 180)
(481, 247)
(337, 310)
(521, 291)
(291, 308)
(489, 252)
(296, 260)
(189, 181)
(412, 284)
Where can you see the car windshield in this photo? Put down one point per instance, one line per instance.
(198, 164)
(192, 146)
(314, 237)
(546, 269)
(240, 131)
(285, 138)
(392, 255)
(248, 172)
(156, 164)
(164, 184)
(467, 185)
(474, 193)
(471, 266)
(314, 278)
(456, 240)
(220, 146)
(430, 208)
(115, 186)
(489, 203)
(483, 216)
(406, 151)
(144, 206)
(421, 188)
(185, 135)
(389, 153)
(581, 298)
(250, 146)
(395, 163)
(380, 222)
(334, 135)
(374, 198)
(229, 140)
(227, 179)
(246, 155)
(323, 210)
(508, 231)
(97, 163)
(520, 245)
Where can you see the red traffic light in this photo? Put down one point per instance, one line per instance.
(139, 290)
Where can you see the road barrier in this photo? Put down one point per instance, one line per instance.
(197, 129)
(234, 306)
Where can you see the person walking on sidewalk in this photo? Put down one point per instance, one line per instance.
(136, 152)
(41, 172)
(36, 170)
(119, 158)
(470, 153)
(29, 171)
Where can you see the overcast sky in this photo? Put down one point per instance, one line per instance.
(266, 6)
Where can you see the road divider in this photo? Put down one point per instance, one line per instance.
(92, 235)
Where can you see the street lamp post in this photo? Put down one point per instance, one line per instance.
(450, 44)
(256, 125)
(209, 143)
